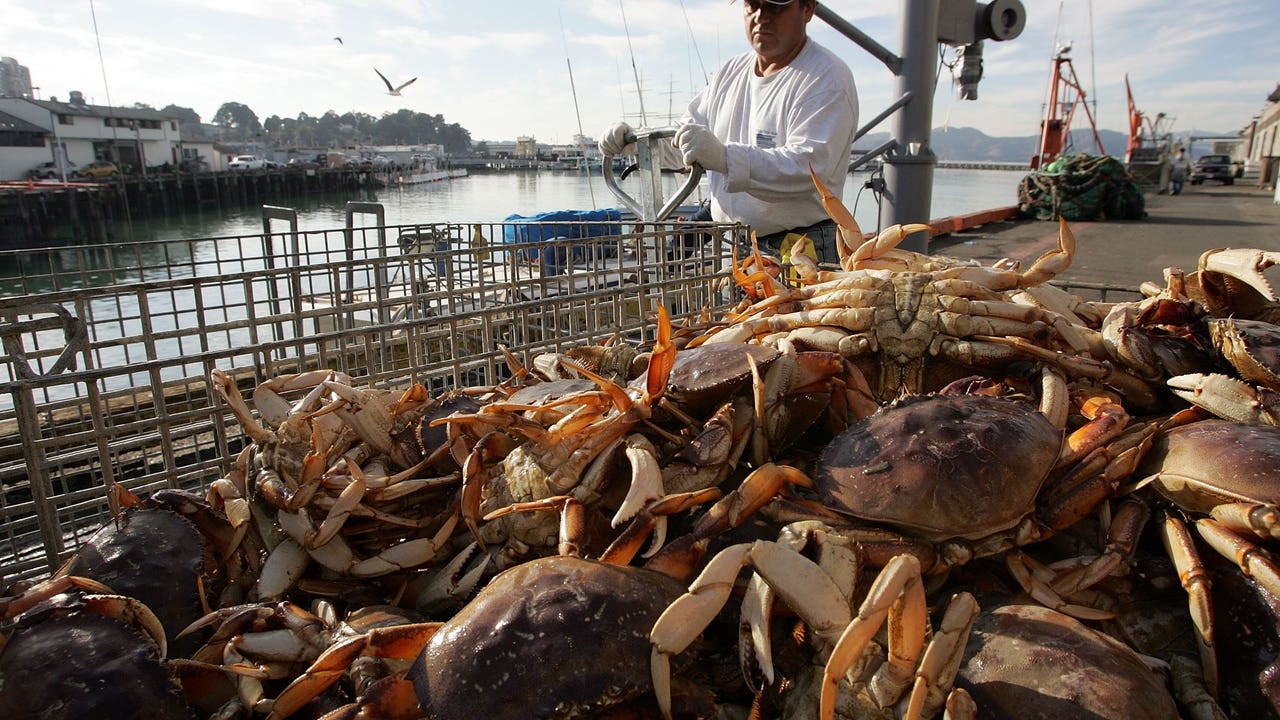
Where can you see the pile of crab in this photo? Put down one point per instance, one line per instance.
(907, 487)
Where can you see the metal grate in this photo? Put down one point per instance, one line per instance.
(107, 350)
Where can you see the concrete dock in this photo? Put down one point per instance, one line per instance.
(1125, 253)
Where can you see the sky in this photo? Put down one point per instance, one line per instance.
(552, 68)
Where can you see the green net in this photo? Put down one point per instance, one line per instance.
(1081, 187)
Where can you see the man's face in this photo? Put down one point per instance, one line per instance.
(776, 32)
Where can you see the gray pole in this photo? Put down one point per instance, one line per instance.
(911, 164)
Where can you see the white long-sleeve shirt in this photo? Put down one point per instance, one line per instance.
(773, 128)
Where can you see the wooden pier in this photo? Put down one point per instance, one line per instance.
(43, 212)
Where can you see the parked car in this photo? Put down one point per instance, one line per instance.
(1213, 167)
(100, 169)
(51, 170)
(246, 162)
(298, 162)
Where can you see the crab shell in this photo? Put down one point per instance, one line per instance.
(941, 466)
(1252, 347)
(154, 555)
(556, 637)
(1205, 464)
(64, 664)
(1034, 663)
(703, 377)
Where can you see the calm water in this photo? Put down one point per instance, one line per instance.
(493, 197)
(216, 244)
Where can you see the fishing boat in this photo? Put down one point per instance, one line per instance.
(422, 168)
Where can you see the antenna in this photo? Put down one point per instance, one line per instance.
(643, 121)
(574, 88)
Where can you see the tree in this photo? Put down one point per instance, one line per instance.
(239, 118)
(189, 127)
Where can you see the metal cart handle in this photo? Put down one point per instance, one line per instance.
(650, 137)
(74, 332)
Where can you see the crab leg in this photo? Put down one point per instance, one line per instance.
(898, 595)
(1252, 560)
(942, 658)
(1259, 520)
(1035, 585)
(1195, 581)
(402, 642)
(801, 583)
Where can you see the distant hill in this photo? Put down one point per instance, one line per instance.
(959, 144)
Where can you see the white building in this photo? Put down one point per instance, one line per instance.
(83, 133)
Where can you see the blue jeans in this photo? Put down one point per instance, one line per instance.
(1177, 187)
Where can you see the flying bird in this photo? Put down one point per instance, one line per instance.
(339, 40)
(393, 90)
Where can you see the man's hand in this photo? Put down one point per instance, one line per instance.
(697, 144)
(614, 140)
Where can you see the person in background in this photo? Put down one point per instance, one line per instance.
(767, 116)
(1178, 172)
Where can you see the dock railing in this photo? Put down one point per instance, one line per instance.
(107, 350)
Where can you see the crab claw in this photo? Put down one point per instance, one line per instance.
(1052, 262)
(1244, 264)
(1228, 398)
(847, 230)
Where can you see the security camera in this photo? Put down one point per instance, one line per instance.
(1001, 20)
(963, 22)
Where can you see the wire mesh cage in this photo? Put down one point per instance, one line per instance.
(107, 351)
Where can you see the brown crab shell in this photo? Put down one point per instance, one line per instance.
(1211, 462)
(76, 666)
(557, 637)
(704, 377)
(1033, 663)
(154, 555)
(941, 466)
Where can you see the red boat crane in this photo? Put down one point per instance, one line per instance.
(1065, 95)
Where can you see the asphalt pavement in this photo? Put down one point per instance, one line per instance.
(1126, 253)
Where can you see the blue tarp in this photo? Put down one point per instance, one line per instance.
(565, 225)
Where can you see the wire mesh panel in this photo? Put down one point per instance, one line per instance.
(107, 351)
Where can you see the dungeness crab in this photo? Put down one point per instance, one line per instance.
(912, 323)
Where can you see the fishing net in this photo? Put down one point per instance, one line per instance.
(1081, 187)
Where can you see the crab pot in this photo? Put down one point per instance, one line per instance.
(107, 351)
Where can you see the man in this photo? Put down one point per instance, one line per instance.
(1178, 172)
(765, 117)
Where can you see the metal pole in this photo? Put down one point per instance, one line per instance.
(911, 164)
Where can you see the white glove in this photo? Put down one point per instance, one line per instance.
(613, 140)
(697, 144)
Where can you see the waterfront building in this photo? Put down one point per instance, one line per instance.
(1262, 148)
(82, 133)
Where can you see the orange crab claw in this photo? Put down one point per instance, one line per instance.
(662, 358)
(848, 232)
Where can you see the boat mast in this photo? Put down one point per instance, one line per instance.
(644, 122)
(1065, 95)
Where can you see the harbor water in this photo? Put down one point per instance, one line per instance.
(198, 244)
(495, 196)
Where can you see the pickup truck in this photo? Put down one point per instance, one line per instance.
(1213, 167)
(246, 162)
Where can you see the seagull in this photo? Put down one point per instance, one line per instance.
(339, 40)
(390, 89)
